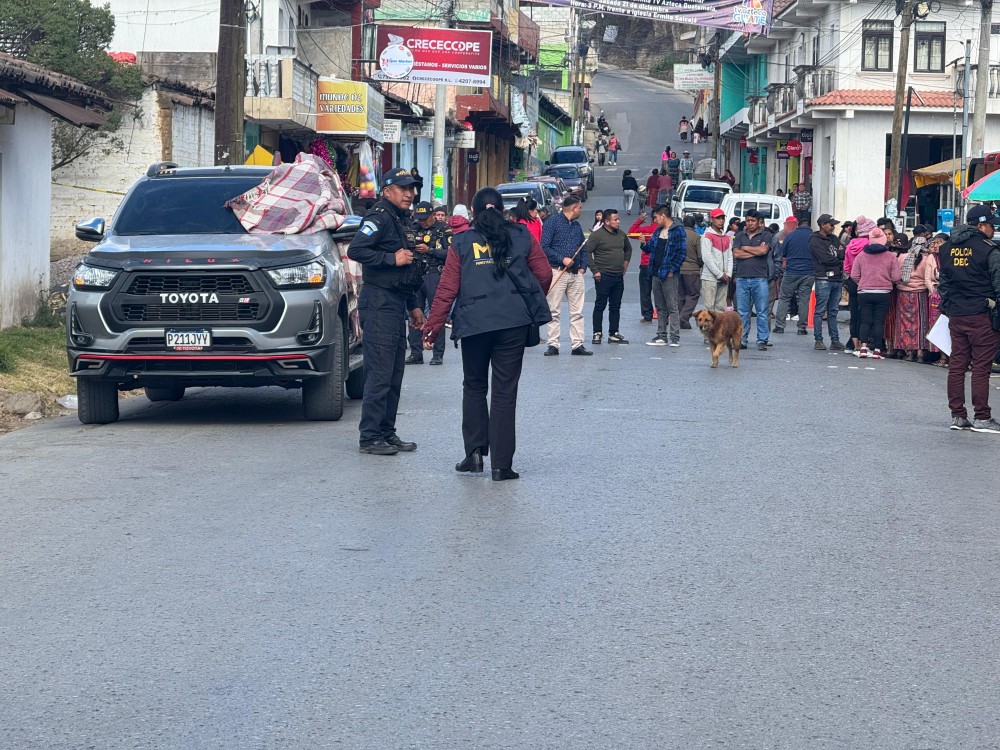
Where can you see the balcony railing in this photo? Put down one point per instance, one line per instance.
(993, 90)
(814, 83)
(758, 111)
(288, 84)
(780, 99)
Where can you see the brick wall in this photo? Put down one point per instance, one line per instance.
(93, 185)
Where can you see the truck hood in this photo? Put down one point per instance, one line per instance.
(193, 250)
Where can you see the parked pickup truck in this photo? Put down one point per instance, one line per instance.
(176, 294)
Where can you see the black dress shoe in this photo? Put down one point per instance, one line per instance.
(378, 448)
(399, 444)
(581, 352)
(473, 463)
(413, 359)
(552, 352)
(500, 475)
(437, 361)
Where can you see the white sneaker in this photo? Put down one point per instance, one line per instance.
(657, 341)
(675, 343)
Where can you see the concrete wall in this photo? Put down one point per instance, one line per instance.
(166, 131)
(25, 198)
(187, 26)
(327, 51)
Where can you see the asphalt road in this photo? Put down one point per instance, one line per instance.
(794, 554)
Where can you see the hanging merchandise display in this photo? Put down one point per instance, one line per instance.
(366, 165)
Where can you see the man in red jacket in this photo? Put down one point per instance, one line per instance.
(643, 231)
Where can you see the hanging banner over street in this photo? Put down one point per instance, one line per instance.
(748, 16)
(417, 54)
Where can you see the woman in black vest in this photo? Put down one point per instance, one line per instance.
(498, 275)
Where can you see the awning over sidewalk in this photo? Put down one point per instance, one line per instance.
(937, 173)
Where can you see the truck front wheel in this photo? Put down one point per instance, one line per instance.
(323, 396)
(97, 401)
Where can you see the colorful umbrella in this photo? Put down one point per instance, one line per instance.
(985, 189)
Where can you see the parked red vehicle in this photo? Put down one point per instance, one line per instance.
(572, 177)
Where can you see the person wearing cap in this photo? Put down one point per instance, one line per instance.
(862, 230)
(434, 239)
(384, 246)
(797, 283)
(828, 268)
(717, 261)
(687, 166)
(969, 285)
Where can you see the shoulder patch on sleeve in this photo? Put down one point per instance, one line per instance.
(368, 228)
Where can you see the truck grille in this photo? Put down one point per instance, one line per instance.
(158, 313)
(166, 283)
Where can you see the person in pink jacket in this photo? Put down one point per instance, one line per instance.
(861, 231)
(876, 271)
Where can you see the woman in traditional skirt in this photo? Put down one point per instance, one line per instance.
(928, 270)
(910, 324)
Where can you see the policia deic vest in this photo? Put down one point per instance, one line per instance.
(969, 281)
(487, 303)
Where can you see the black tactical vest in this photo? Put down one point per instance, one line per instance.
(966, 267)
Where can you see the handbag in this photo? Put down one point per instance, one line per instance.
(537, 315)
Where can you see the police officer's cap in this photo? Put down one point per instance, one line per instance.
(399, 177)
(981, 215)
(423, 209)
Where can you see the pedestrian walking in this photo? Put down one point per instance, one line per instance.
(689, 279)
(665, 188)
(630, 189)
(665, 157)
(614, 146)
(433, 239)
(802, 202)
(498, 275)
(667, 249)
(828, 268)
(609, 251)
(799, 276)
(969, 286)
(652, 187)
(717, 258)
(419, 183)
(674, 169)
(686, 166)
(683, 128)
(562, 242)
(384, 246)
(526, 213)
(751, 251)
(875, 270)
(602, 151)
(644, 231)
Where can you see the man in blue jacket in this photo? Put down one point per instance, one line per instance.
(667, 250)
(798, 279)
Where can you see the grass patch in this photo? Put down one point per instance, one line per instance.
(34, 359)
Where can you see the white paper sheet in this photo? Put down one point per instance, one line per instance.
(940, 336)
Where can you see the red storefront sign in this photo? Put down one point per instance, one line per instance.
(431, 55)
(794, 148)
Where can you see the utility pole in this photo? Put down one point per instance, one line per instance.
(965, 117)
(230, 82)
(717, 108)
(440, 115)
(982, 78)
(895, 151)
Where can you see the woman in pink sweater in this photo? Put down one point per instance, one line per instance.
(861, 235)
(875, 271)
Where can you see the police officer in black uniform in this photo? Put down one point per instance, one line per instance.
(387, 249)
(435, 237)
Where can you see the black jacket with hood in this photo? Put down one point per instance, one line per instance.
(970, 272)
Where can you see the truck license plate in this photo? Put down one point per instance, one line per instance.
(188, 341)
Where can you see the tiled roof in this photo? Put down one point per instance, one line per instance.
(780, 6)
(883, 98)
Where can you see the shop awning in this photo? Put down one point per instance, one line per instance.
(71, 113)
(936, 173)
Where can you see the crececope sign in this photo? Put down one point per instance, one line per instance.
(417, 54)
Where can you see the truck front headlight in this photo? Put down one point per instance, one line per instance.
(92, 277)
(308, 274)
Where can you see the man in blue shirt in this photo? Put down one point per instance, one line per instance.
(798, 279)
(562, 242)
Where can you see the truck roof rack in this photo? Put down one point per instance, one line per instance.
(160, 167)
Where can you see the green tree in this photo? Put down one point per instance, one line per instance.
(72, 37)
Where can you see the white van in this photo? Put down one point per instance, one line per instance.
(773, 208)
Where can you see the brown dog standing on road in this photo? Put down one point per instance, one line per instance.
(721, 329)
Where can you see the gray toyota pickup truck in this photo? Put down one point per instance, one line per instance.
(176, 294)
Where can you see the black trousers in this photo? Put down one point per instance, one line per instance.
(872, 307)
(492, 429)
(383, 324)
(425, 298)
(645, 292)
(609, 290)
(852, 305)
(689, 288)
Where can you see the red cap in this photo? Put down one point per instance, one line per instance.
(716, 213)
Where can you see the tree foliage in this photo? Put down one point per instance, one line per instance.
(72, 37)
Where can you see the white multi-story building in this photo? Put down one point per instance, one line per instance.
(831, 79)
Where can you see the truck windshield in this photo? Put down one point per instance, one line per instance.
(698, 194)
(179, 205)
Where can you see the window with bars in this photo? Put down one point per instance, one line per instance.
(928, 47)
(876, 45)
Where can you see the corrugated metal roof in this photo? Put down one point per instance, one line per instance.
(79, 116)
